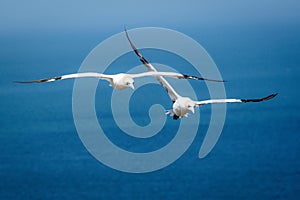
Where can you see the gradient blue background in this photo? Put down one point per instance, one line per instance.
(256, 46)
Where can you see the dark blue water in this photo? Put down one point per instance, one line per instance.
(256, 157)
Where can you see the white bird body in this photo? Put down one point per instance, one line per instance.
(121, 81)
(183, 105)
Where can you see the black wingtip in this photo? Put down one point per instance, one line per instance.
(261, 99)
(202, 79)
(40, 81)
(34, 81)
(126, 33)
(213, 80)
(136, 51)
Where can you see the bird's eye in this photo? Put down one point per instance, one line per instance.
(189, 106)
(127, 83)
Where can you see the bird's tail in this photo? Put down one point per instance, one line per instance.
(169, 112)
(172, 114)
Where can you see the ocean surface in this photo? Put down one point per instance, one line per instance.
(256, 157)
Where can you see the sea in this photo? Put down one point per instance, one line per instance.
(256, 157)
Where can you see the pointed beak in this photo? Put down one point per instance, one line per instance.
(131, 86)
(192, 109)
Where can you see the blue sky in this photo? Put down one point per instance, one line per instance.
(34, 15)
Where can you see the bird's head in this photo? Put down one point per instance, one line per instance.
(129, 82)
(191, 108)
(190, 105)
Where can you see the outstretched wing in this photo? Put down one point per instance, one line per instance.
(67, 76)
(200, 103)
(172, 93)
(171, 74)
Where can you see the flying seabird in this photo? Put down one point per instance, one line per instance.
(119, 81)
(183, 105)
